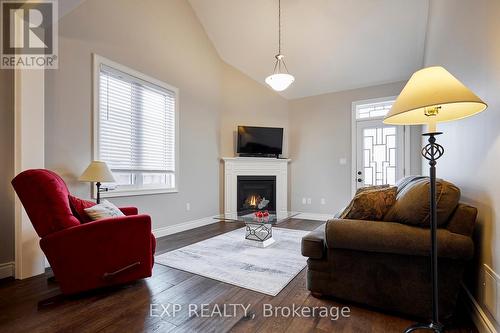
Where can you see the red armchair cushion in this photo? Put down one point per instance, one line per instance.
(78, 208)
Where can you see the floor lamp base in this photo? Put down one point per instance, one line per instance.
(436, 327)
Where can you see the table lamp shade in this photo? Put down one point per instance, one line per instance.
(97, 171)
(433, 95)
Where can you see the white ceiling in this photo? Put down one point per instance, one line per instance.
(329, 45)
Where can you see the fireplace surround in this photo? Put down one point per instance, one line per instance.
(255, 166)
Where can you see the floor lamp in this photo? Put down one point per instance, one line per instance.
(433, 95)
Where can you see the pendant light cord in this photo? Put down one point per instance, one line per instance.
(279, 26)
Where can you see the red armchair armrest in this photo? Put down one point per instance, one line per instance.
(129, 211)
(100, 253)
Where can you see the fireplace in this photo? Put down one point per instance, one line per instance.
(256, 193)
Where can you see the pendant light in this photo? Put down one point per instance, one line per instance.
(280, 79)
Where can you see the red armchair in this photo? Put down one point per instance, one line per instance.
(84, 256)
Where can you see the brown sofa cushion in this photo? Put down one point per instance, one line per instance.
(412, 205)
(371, 203)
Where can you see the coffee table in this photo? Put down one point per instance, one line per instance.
(258, 230)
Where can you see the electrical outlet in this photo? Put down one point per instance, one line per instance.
(304, 201)
(323, 201)
(309, 201)
(188, 206)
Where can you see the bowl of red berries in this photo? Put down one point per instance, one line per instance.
(261, 214)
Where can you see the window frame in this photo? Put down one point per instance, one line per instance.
(97, 61)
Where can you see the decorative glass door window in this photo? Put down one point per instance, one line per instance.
(379, 148)
(379, 155)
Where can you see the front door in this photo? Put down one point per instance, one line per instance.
(379, 148)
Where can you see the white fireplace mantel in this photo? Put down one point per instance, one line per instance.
(255, 166)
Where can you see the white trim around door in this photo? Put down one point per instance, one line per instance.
(354, 122)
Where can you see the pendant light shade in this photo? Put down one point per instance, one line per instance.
(280, 79)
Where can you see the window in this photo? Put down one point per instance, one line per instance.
(373, 110)
(136, 129)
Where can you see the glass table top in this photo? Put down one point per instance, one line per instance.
(273, 218)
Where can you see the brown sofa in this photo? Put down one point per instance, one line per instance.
(386, 264)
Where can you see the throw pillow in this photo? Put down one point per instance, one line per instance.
(78, 208)
(371, 188)
(103, 210)
(413, 208)
(344, 210)
(370, 203)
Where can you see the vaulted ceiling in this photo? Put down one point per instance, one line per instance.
(329, 45)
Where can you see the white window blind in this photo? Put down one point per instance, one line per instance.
(136, 129)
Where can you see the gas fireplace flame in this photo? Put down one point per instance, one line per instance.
(253, 201)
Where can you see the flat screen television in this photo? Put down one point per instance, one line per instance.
(260, 141)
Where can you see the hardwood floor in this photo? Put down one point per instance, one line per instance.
(127, 308)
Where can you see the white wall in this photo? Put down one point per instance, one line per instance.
(464, 37)
(320, 135)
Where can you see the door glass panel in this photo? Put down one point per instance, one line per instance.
(373, 110)
(379, 152)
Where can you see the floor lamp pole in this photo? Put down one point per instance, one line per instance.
(432, 152)
(98, 196)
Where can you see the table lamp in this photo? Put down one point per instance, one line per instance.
(97, 172)
(433, 95)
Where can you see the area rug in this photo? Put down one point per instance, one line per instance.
(230, 259)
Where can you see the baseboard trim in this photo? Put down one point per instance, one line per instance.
(176, 228)
(314, 216)
(478, 315)
(6, 270)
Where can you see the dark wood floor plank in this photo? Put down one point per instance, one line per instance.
(217, 323)
(298, 293)
(127, 308)
(181, 239)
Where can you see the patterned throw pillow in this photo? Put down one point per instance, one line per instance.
(370, 203)
(103, 210)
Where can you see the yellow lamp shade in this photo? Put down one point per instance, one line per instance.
(433, 95)
(97, 171)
